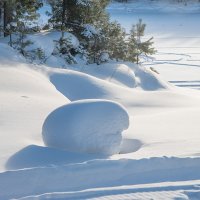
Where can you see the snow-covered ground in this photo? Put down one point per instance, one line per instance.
(176, 36)
(159, 152)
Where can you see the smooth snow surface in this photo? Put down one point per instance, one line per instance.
(91, 126)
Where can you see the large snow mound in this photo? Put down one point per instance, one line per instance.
(92, 126)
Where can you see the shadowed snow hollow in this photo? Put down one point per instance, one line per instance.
(92, 126)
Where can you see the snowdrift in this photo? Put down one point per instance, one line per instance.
(125, 74)
(164, 120)
(92, 126)
(78, 178)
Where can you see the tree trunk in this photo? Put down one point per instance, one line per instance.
(64, 7)
(137, 59)
(1, 19)
(11, 40)
(5, 18)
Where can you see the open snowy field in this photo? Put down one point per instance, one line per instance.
(143, 131)
(176, 37)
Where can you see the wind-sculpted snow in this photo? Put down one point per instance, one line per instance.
(163, 191)
(37, 156)
(92, 126)
(95, 174)
(164, 119)
(148, 80)
(76, 85)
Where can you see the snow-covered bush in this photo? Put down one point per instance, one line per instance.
(21, 20)
(89, 31)
(91, 126)
(69, 48)
(64, 48)
(83, 2)
(84, 19)
(104, 57)
(91, 36)
(36, 55)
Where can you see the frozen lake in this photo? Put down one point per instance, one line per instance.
(176, 39)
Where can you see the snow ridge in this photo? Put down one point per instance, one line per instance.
(108, 173)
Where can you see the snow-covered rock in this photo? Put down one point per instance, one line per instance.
(92, 126)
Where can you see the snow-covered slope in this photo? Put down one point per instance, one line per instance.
(160, 126)
(26, 98)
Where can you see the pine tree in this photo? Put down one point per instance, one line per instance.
(5, 14)
(23, 21)
(136, 46)
(115, 40)
(76, 16)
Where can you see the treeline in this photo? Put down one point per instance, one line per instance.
(100, 39)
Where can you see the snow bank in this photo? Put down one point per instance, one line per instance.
(92, 126)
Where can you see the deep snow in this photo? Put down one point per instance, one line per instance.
(90, 126)
(160, 125)
(159, 156)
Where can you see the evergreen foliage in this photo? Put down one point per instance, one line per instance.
(83, 18)
(136, 46)
(99, 38)
(23, 20)
(115, 41)
(65, 49)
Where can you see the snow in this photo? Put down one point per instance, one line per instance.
(89, 31)
(41, 40)
(27, 96)
(38, 156)
(104, 57)
(91, 126)
(176, 36)
(9, 56)
(165, 191)
(88, 179)
(46, 41)
(83, 2)
(158, 6)
(159, 153)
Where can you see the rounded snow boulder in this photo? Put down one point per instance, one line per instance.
(91, 126)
